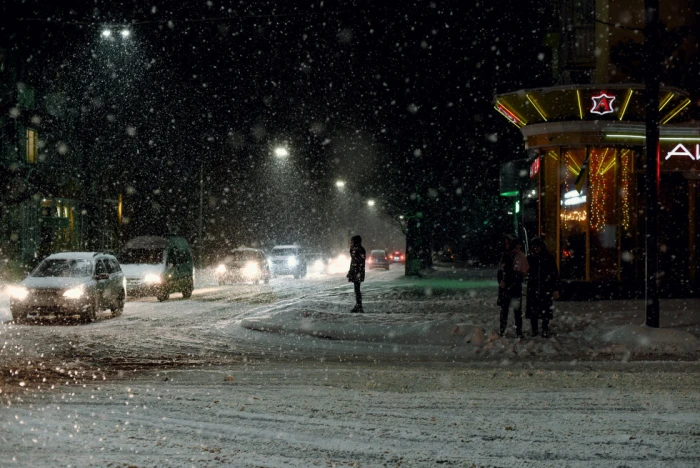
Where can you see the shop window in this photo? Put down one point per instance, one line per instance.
(32, 146)
(573, 215)
(603, 171)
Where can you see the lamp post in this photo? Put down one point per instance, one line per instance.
(652, 44)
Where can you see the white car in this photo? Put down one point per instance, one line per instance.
(288, 260)
(70, 283)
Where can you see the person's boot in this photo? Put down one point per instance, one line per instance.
(545, 333)
(357, 309)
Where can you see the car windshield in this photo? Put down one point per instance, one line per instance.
(141, 257)
(64, 268)
(378, 253)
(284, 252)
(243, 255)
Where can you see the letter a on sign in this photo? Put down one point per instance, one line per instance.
(602, 104)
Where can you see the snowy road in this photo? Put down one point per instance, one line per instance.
(197, 383)
(354, 414)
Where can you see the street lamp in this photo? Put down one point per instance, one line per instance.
(340, 184)
(106, 33)
(125, 33)
(281, 152)
(370, 202)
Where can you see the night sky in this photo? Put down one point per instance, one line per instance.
(393, 97)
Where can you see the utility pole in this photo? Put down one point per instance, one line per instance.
(200, 240)
(652, 46)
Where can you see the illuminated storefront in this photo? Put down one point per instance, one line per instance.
(583, 192)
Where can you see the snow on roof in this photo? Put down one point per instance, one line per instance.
(73, 255)
(147, 242)
(292, 246)
(245, 249)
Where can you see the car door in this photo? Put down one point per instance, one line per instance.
(102, 281)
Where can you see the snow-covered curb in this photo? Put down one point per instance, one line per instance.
(393, 329)
(643, 338)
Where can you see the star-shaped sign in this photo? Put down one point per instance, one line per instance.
(602, 104)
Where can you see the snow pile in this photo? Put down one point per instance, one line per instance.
(663, 340)
(455, 308)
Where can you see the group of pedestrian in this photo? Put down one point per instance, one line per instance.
(540, 271)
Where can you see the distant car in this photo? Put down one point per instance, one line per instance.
(317, 262)
(70, 283)
(378, 259)
(397, 257)
(243, 264)
(288, 260)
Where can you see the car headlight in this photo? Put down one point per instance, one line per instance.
(18, 292)
(318, 265)
(74, 293)
(292, 261)
(251, 270)
(221, 269)
(152, 279)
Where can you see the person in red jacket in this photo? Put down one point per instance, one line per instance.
(356, 274)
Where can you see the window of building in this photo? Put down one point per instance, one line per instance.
(32, 146)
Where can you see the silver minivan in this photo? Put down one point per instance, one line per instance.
(70, 283)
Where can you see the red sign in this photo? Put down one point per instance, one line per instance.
(535, 168)
(602, 104)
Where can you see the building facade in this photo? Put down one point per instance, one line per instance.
(581, 184)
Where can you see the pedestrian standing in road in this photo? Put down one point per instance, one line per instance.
(356, 274)
(512, 269)
(542, 286)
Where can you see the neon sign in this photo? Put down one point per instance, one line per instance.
(505, 112)
(535, 168)
(682, 150)
(602, 104)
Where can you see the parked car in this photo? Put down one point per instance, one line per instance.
(397, 257)
(70, 283)
(378, 259)
(243, 264)
(288, 260)
(158, 266)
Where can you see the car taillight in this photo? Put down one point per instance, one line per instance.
(369, 261)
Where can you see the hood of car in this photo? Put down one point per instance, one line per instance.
(53, 282)
(141, 270)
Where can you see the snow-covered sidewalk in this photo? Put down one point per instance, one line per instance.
(456, 309)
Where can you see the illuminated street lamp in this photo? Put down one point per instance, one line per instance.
(370, 202)
(125, 33)
(106, 33)
(340, 184)
(281, 152)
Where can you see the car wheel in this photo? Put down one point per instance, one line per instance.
(90, 313)
(162, 295)
(18, 316)
(187, 292)
(119, 306)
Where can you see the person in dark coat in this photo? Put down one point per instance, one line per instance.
(356, 274)
(512, 269)
(542, 286)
